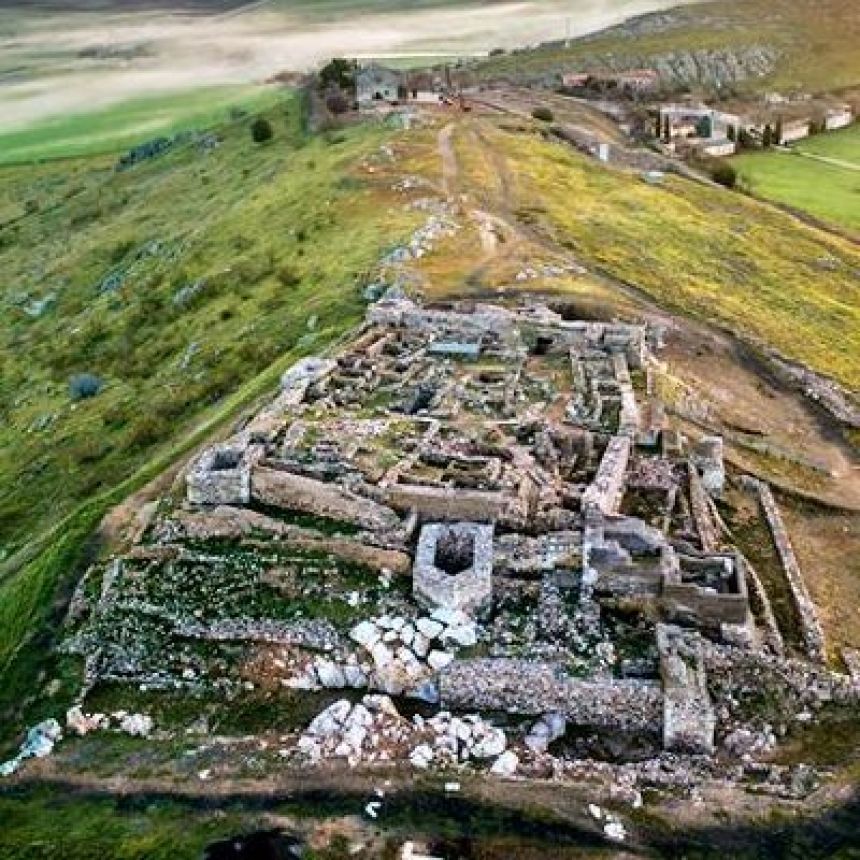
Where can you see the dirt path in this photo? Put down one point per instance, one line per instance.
(449, 161)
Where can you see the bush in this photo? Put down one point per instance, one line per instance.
(261, 130)
(339, 73)
(288, 276)
(724, 174)
(336, 102)
(84, 385)
(544, 114)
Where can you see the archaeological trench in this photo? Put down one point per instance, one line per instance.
(475, 526)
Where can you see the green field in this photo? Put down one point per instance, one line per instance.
(843, 144)
(828, 191)
(129, 122)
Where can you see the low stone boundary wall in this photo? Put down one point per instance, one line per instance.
(444, 504)
(244, 524)
(531, 688)
(310, 633)
(811, 630)
(293, 492)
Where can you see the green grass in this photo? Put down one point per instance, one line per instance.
(224, 267)
(124, 124)
(843, 144)
(47, 823)
(827, 191)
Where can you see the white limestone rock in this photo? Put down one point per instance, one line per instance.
(420, 645)
(450, 617)
(365, 634)
(429, 628)
(490, 744)
(381, 655)
(438, 660)
(354, 677)
(330, 675)
(379, 704)
(330, 721)
(136, 725)
(506, 764)
(421, 757)
(547, 729)
(464, 635)
(615, 831)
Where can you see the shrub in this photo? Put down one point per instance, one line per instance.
(84, 385)
(148, 430)
(724, 174)
(544, 114)
(339, 73)
(337, 102)
(288, 276)
(261, 130)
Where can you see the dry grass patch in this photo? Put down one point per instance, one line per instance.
(707, 252)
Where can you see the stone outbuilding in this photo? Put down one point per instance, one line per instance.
(222, 474)
(454, 566)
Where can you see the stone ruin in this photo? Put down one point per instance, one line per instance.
(454, 566)
(478, 506)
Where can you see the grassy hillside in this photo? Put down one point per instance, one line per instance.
(715, 254)
(175, 283)
(829, 189)
(816, 41)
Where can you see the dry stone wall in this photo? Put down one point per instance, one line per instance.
(290, 491)
(813, 634)
(531, 688)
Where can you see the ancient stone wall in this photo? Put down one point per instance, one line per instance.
(292, 492)
(813, 634)
(689, 719)
(530, 688)
(706, 526)
(446, 504)
(605, 492)
(238, 523)
(708, 606)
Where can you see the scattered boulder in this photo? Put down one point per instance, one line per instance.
(506, 764)
(547, 729)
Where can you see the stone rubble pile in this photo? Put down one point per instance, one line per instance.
(373, 731)
(82, 724)
(439, 226)
(398, 656)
